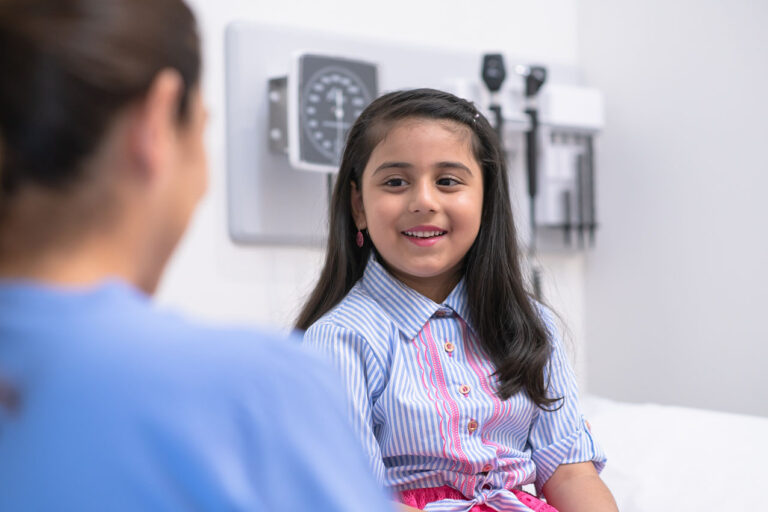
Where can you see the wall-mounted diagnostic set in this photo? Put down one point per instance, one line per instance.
(292, 96)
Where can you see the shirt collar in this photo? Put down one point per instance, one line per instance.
(409, 309)
(457, 301)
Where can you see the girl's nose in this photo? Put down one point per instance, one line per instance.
(423, 197)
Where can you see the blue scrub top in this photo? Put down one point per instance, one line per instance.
(125, 407)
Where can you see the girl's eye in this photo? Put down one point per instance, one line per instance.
(447, 182)
(395, 182)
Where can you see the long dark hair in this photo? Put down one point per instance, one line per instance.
(509, 328)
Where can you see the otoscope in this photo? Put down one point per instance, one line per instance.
(535, 76)
(493, 74)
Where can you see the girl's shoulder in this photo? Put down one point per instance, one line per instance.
(545, 313)
(552, 323)
(358, 314)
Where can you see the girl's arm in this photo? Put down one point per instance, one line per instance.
(567, 457)
(362, 377)
(578, 488)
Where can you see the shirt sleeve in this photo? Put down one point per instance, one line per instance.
(560, 435)
(362, 377)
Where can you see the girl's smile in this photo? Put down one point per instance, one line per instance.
(421, 201)
(424, 236)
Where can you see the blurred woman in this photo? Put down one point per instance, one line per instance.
(105, 402)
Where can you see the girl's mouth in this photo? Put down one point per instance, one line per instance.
(424, 234)
(424, 238)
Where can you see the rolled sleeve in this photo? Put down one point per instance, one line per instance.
(362, 378)
(560, 434)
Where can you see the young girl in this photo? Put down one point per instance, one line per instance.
(458, 384)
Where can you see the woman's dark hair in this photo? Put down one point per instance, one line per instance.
(68, 66)
(503, 313)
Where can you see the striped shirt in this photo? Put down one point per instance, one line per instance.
(421, 396)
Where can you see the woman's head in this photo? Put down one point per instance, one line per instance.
(83, 95)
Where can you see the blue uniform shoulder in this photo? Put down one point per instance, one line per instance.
(191, 351)
(118, 395)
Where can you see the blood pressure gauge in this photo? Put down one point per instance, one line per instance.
(321, 97)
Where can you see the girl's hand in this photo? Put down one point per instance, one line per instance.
(577, 488)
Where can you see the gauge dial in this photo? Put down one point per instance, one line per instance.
(331, 101)
(332, 93)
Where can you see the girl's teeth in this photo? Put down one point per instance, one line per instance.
(424, 234)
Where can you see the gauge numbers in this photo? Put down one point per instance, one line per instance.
(333, 95)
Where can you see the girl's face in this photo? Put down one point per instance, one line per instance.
(421, 201)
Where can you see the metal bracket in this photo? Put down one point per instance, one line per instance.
(278, 115)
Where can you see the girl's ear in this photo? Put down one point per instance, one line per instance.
(356, 202)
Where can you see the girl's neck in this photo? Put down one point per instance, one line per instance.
(435, 288)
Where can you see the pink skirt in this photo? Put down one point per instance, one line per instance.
(420, 498)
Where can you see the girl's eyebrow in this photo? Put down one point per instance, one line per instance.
(454, 165)
(392, 165)
(439, 165)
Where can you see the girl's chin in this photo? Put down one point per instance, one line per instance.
(426, 273)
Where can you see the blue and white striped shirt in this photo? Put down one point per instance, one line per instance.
(422, 397)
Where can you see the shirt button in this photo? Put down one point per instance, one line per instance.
(487, 468)
(440, 313)
(472, 426)
(464, 389)
(449, 347)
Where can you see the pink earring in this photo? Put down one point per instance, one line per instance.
(359, 240)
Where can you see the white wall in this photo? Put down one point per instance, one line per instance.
(217, 280)
(677, 288)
